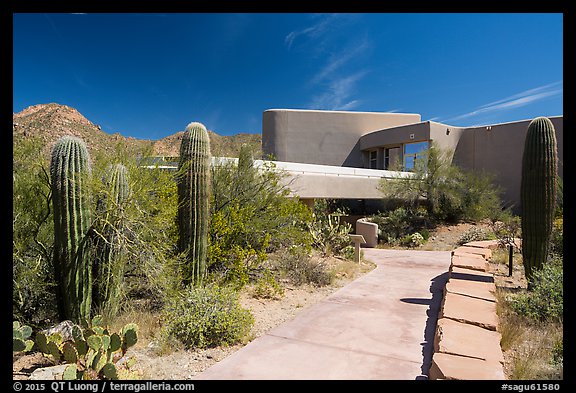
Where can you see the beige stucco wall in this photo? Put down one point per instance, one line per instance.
(499, 151)
(343, 138)
(396, 135)
(323, 137)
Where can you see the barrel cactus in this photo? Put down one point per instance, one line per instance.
(538, 192)
(194, 188)
(109, 263)
(69, 169)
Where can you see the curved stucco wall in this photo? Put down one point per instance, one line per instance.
(323, 137)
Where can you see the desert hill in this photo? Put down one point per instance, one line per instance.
(49, 122)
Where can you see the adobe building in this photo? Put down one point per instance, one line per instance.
(384, 141)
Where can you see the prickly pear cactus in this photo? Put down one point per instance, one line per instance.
(69, 169)
(94, 352)
(20, 337)
(194, 187)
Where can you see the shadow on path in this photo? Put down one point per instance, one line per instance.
(437, 290)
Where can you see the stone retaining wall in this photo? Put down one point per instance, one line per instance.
(467, 340)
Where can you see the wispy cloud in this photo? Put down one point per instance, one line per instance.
(338, 94)
(314, 31)
(339, 60)
(516, 100)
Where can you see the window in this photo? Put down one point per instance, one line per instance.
(386, 158)
(373, 159)
(413, 151)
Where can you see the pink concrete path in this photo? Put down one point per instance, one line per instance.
(380, 326)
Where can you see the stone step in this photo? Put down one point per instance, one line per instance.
(463, 250)
(445, 366)
(462, 339)
(469, 310)
(475, 289)
(490, 244)
(459, 273)
(468, 262)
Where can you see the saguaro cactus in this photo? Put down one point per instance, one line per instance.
(69, 169)
(194, 186)
(109, 265)
(538, 192)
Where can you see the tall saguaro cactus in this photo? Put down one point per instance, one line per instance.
(109, 265)
(69, 169)
(194, 187)
(538, 192)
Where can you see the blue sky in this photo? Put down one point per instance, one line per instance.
(149, 75)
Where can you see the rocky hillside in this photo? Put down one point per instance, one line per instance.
(51, 121)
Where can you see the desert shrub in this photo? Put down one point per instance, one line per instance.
(252, 216)
(267, 287)
(33, 289)
(299, 268)
(329, 234)
(475, 234)
(558, 352)
(348, 252)
(545, 299)
(506, 227)
(234, 254)
(448, 192)
(557, 238)
(413, 240)
(206, 316)
(399, 223)
(148, 233)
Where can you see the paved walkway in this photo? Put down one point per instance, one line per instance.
(380, 326)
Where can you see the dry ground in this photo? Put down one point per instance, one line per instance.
(158, 362)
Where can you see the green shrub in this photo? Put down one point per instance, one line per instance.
(329, 234)
(506, 227)
(251, 216)
(300, 269)
(400, 223)
(266, 287)
(233, 253)
(349, 252)
(207, 316)
(557, 238)
(33, 289)
(413, 240)
(545, 300)
(475, 234)
(448, 192)
(144, 227)
(558, 352)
